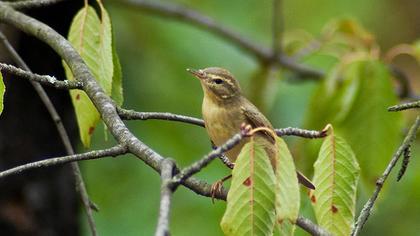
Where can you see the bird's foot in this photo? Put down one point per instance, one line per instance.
(246, 129)
(217, 187)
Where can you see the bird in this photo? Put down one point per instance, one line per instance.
(225, 110)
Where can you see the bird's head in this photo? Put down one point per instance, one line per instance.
(218, 83)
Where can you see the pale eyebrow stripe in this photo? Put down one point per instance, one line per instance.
(213, 76)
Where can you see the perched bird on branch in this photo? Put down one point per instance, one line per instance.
(225, 110)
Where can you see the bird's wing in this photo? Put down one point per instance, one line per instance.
(256, 119)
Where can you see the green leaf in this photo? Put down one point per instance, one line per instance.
(92, 38)
(287, 190)
(356, 105)
(2, 90)
(117, 88)
(369, 124)
(336, 176)
(251, 199)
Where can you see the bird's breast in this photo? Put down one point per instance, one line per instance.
(222, 123)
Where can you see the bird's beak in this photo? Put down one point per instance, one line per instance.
(199, 74)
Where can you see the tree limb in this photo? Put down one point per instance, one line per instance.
(310, 227)
(367, 208)
(135, 115)
(166, 190)
(42, 79)
(200, 164)
(405, 106)
(114, 151)
(25, 4)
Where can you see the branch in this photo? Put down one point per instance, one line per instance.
(406, 160)
(181, 13)
(166, 190)
(203, 162)
(43, 79)
(80, 185)
(405, 106)
(290, 131)
(114, 151)
(310, 227)
(135, 115)
(367, 208)
(32, 3)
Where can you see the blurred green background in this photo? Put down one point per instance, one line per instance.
(154, 54)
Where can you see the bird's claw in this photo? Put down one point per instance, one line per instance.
(246, 129)
(216, 189)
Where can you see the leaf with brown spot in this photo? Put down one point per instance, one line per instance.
(91, 35)
(247, 182)
(250, 206)
(313, 199)
(336, 173)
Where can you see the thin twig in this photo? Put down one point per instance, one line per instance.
(43, 79)
(226, 161)
(32, 3)
(135, 115)
(405, 106)
(367, 208)
(80, 185)
(203, 162)
(405, 162)
(166, 190)
(206, 23)
(290, 131)
(311, 227)
(113, 151)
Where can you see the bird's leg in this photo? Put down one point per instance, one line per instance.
(223, 158)
(216, 188)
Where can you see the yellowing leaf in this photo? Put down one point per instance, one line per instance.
(287, 190)
(92, 38)
(251, 199)
(350, 32)
(336, 176)
(2, 90)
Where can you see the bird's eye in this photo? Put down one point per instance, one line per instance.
(218, 81)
